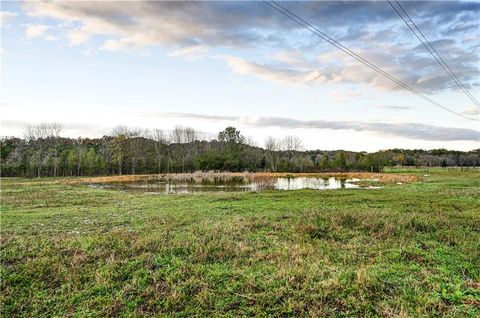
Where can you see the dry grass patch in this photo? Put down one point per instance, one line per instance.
(210, 176)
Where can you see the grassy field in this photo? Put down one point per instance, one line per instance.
(409, 250)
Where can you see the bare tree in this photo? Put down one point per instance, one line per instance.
(29, 133)
(135, 137)
(47, 137)
(161, 141)
(190, 135)
(182, 135)
(291, 143)
(250, 141)
(53, 131)
(43, 131)
(35, 132)
(272, 145)
(185, 137)
(177, 135)
(119, 130)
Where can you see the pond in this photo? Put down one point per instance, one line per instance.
(231, 184)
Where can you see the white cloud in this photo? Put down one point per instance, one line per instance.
(273, 73)
(403, 130)
(184, 28)
(78, 36)
(391, 107)
(7, 16)
(344, 96)
(473, 111)
(35, 30)
(190, 53)
(291, 57)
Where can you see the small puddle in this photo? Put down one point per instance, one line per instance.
(231, 184)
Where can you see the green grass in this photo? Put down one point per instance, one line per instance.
(405, 250)
(407, 169)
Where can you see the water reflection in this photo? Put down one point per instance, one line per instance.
(231, 184)
(312, 183)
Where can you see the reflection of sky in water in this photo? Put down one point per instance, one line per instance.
(311, 183)
(235, 185)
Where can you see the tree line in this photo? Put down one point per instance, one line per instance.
(44, 152)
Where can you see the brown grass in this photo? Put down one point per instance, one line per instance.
(380, 177)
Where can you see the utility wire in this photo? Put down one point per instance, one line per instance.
(430, 28)
(448, 69)
(433, 52)
(278, 7)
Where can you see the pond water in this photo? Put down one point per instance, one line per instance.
(231, 184)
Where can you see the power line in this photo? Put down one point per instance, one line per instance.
(444, 64)
(325, 37)
(430, 28)
(278, 7)
(433, 52)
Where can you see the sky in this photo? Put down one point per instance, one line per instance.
(95, 65)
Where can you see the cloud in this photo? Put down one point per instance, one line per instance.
(36, 30)
(188, 115)
(473, 111)
(7, 16)
(344, 96)
(402, 130)
(336, 67)
(190, 53)
(371, 29)
(391, 107)
(273, 73)
(78, 36)
(415, 131)
(129, 25)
